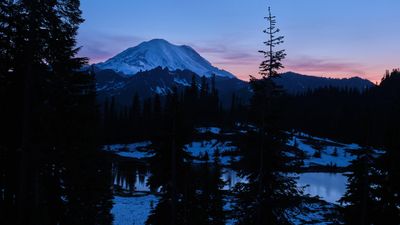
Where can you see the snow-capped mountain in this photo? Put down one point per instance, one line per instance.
(160, 53)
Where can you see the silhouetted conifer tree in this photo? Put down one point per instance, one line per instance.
(269, 193)
(360, 202)
(53, 106)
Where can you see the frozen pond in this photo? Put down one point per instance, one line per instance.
(329, 186)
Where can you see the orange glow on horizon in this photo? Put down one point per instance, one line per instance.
(244, 72)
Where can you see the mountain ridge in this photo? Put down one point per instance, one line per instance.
(162, 80)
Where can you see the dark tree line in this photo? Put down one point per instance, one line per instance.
(137, 121)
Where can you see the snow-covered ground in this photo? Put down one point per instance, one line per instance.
(318, 151)
(323, 151)
(135, 211)
(132, 210)
(133, 150)
(197, 149)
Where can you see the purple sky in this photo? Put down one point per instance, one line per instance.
(338, 38)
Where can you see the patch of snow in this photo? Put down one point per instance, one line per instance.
(132, 210)
(181, 81)
(161, 90)
(303, 135)
(199, 149)
(132, 150)
(331, 152)
(231, 178)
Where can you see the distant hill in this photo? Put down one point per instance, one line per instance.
(297, 83)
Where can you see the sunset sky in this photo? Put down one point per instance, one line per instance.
(340, 38)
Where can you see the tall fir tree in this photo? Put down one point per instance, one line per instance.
(270, 193)
(273, 58)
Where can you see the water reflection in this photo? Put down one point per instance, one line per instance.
(130, 177)
(329, 186)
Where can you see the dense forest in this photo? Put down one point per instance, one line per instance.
(368, 117)
(53, 169)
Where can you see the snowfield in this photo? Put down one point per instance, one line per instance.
(132, 210)
(324, 152)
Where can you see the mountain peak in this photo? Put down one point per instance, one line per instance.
(159, 52)
(156, 41)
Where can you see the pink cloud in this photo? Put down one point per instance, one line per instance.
(324, 66)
